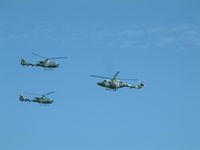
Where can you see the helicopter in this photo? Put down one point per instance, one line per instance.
(42, 99)
(113, 83)
(46, 63)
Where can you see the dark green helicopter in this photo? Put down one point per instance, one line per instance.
(39, 99)
(46, 63)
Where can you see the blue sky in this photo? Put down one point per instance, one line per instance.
(155, 41)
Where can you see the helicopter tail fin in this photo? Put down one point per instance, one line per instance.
(25, 63)
(23, 99)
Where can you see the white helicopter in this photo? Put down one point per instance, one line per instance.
(46, 63)
(113, 83)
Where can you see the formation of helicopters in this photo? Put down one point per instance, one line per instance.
(108, 83)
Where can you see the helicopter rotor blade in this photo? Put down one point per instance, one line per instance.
(48, 93)
(57, 58)
(142, 81)
(31, 93)
(129, 79)
(100, 77)
(39, 55)
(115, 75)
(39, 94)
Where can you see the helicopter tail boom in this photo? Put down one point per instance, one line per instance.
(139, 86)
(26, 63)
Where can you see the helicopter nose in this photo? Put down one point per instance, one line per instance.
(99, 83)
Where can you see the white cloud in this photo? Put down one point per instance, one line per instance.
(159, 36)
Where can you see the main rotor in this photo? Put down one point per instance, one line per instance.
(43, 95)
(113, 78)
(48, 58)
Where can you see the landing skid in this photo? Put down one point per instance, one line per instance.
(44, 105)
(111, 89)
(49, 69)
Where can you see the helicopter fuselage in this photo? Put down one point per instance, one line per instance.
(47, 64)
(42, 100)
(112, 84)
(116, 84)
(44, 63)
